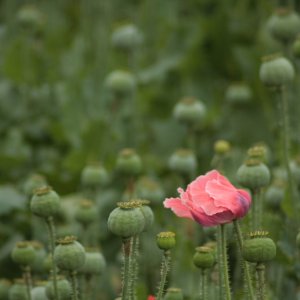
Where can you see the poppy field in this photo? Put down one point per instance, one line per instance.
(150, 150)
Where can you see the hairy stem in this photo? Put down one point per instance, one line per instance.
(220, 263)
(245, 264)
(134, 265)
(257, 209)
(74, 286)
(226, 283)
(260, 277)
(52, 237)
(203, 285)
(165, 266)
(126, 269)
(28, 281)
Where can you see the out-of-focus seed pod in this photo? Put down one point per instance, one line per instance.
(4, 289)
(23, 254)
(94, 263)
(238, 93)
(129, 162)
(34, 182)
(86, 213)
(183, 161)
(147, 188)
(94, 175)
(64, 289)
(18, 290)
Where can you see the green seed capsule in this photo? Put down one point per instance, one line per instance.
(147, 188)
(276, 71)
(238, 93)
(284, 25)
(69, 255)
(23, 254)
(128, 162)
(39, 293)
(40, 255)
(166, 240)
(259, 249)
(173, 294)
(34, 182)
(45, 202)
(64, 289)
(121, 83)
(221, 147)
(86, 213)
(4, 289)
(253, 174)
(94, 263)
(204, 257)
(183, 161)
(190, 111)
(18, 290)
(94, 175)
(126, 220)
(147, 212)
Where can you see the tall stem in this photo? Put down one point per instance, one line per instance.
(134, 265)
(203, 285)
(126, 270)
(165, 266)
(74, 286)
(260, 277)
(220, 262)
(245, 264)
(225, 263)
(257, 209)
(51, 231)
(28, 281)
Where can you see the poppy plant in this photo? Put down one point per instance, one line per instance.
(210, 200)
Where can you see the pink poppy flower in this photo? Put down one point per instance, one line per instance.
(210, 200)
(150, 297)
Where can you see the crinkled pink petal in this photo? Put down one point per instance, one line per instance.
(245, 201)
(178, 207)
(225, 182)
(228, 197)
(219, 218)
(200, 182)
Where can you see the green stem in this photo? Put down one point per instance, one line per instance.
(203, 285)
(260, 277)
(225, 263)
(74, 286)
(134, 265)
(28, 281)
(220, 263)
(256, 209)
(165, 266)
(245, 264)
(292, 191)
(126, 270)
(51, 230)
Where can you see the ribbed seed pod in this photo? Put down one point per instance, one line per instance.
(259, 248)
(18, 290)
(253, 174)
(127, 219)
(64, 289)
(204, 257)
(69, 255)
(94, 263)
(166, 240)
(45, 202)
(183, 161)
(94, 175)
(173, 294)
(4, 289)
(129, 162)
(121, 83)
(23, 254)
(86, 212)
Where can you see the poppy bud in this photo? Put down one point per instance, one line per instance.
(204, 257)
(166, 240)
(221, 147)
(238, 93)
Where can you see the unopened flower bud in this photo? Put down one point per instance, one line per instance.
(128, 162)
(126, 220)
(173, 294)
(190, 111)
(183, 161)
(221, 147)
(45, 202)
(259, 248)
(166, 240)
(69, 255)
(23, 254)
(204, 257)
(276, 71)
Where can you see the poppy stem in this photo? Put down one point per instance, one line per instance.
(127, 249)
(165, 267)
(226, 283)
(260, 277)
(245, 264)
(220, 260)
(203, 285)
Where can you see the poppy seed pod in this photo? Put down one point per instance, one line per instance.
(259, 248)
(129, 162)
(147, 188)
(45, 202)
(86, 212)
(221, 147)
(69, 255)
(64, 289)
(204, 257)
(276, 71)
(238, 93)
(183, 161)
(94, 263)
(189, 110)
(275, 194)
(94, 175)
(120, 83)
(173, 294)
(253, 174)
(126, 220)
(284, 25)
(23, 254)
(18, 290)
(166, 240)
(147, 213)
(34, 182)
(4, 289)
(39, 293)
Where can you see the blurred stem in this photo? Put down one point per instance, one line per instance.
(245, 264)
(260, 277)
(74, 285)
(224, 269)
(165, 266)
(126, 269)
(220, 262)
(257, 209)
(203, 285)
(28, 281)
(134, 265)
(52, 237)
(292, 192)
